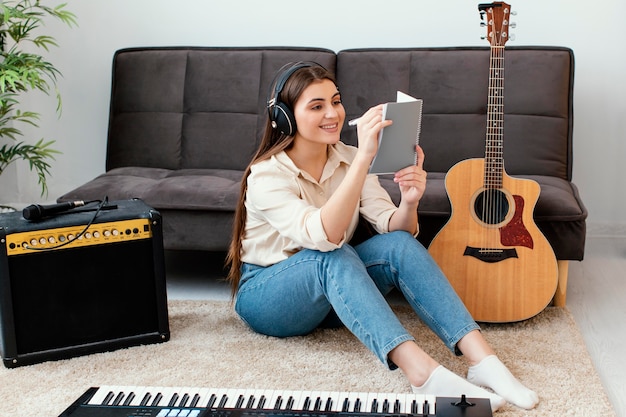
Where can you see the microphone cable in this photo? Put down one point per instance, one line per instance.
(101, 204)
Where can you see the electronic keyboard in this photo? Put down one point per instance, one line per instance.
(138, 401)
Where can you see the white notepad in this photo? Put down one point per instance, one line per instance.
(396, 143)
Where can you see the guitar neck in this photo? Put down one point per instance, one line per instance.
(498, 15)
(494, 161)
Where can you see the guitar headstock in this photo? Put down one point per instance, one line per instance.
(498, 15)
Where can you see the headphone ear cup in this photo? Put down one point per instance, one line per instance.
(283, 119)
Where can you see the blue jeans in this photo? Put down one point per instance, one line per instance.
(294, 296)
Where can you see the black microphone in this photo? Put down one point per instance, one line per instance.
(37, 211)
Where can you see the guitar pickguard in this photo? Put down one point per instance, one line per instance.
(515, 233)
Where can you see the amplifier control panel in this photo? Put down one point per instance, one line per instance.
(77, 236)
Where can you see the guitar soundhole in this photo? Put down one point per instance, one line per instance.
(491, 206)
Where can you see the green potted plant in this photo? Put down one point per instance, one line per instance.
(22, 69)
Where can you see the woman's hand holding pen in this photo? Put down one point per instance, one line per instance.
(368, 127)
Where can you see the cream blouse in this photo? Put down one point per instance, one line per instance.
(283, 206)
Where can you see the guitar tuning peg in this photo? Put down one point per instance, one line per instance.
(512, 36)
(483, 24)
(513, 13)
(513, 25)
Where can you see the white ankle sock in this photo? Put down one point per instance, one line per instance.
(445, 383)
(492, 373)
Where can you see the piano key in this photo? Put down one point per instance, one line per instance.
(397, 406)
(221, 401)
(289, 400)
(249, 398)
(333, 401)
(155, 400)
(203, 397)
(348, 402)
(314, 400)
(431, 400)
(233, 395)
(184, 400)
(305, 401)
(211, 400)
(147, 399)
(129, 397)
(405, 402)
(139, 393)
(187, 396)
(260, 399)
(240, 401)
(326, 400)
(317, 403)
(371, 403)
(217, 398)
(118, 398)
(173, 400)
(359, 399)
(170, 396)
(394, 403)
(108, 399)
(101, 393)
(270, 399)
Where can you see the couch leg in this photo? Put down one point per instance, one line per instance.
(561, 287)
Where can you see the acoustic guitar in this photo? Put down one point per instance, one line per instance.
(496, 258)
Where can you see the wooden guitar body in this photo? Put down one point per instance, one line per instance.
(496, 258)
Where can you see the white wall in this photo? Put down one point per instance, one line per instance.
(596, 34)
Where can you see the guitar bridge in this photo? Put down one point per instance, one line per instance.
(490, 255)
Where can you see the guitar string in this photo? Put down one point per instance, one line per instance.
(493, 204)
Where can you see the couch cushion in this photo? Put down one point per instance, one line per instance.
(163, 189)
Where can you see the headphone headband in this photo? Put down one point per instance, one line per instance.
(280, 114)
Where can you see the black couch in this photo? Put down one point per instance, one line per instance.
(184, 123)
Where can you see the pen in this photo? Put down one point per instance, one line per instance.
(353, 122)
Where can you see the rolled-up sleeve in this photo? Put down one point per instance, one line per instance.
(376, 205)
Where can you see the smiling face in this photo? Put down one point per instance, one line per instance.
(319, 113)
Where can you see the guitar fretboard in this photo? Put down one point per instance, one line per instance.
(494, 161)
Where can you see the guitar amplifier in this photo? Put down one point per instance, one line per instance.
(89, 280)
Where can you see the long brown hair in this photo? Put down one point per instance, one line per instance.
(272, 143)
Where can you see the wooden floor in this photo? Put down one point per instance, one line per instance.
(596, 298)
